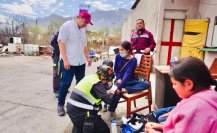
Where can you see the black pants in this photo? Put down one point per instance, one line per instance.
(56, 74)
(99, 126)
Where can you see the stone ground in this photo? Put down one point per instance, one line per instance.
(27, 101)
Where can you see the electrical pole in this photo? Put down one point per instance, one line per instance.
(12, 27)
(113, 28)
(36, 22)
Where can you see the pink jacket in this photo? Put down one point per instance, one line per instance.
(197, 114)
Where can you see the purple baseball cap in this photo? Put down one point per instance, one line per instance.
(86, 16)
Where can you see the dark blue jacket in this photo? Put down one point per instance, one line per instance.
(127, 73)
(54, 44)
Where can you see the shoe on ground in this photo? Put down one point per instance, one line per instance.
(61, 111)
(113, 115)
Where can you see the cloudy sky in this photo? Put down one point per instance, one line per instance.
(66, 8)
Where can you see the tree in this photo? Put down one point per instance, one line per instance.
(35, 34)
(54, 26)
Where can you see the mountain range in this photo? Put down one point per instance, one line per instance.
(101, 19)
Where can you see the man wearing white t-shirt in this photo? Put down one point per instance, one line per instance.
(73, 51)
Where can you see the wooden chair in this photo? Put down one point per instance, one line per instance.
(144, 69)
(213, 69)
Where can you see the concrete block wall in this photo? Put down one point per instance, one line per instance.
(207, 9)
(191, 6)
(153, 14)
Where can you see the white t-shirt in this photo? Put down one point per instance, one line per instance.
(75, 40)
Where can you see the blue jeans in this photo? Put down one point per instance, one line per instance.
(131, 87)
(67, 77)
(162, 111)
(136, 86)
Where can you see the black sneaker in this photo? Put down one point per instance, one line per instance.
(61, 111)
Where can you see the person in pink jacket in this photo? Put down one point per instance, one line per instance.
(197, 111)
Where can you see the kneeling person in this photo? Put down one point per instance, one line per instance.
(85, 101)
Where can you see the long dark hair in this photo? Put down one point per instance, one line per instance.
(194, 69)
(127, 46)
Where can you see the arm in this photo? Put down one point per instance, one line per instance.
(62, 39)
(99, 91)
(165, 115)
(54, 45)
(53, 41)
(132, 42)
(130, 68)
(189, 114)
(63, 55)
(152, 42)
(116, 68)
(86, 53)
(152, 127)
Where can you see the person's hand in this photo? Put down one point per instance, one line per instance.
(66, 65)
(134, 51)
(119, 81)
(117, 91)
(110, 92)
(149, 125)
(147, 50)
(154, 126)
(89, 62)
(123, 90)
